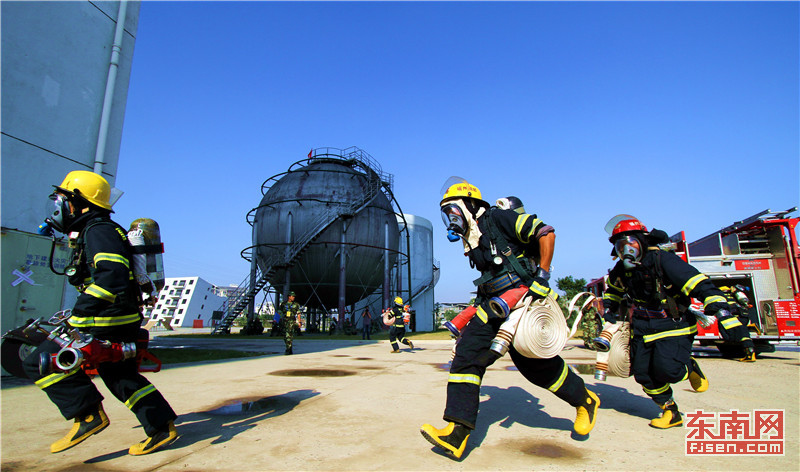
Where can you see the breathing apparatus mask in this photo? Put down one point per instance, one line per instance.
(61, 216)
(454, 218)
(629, 251)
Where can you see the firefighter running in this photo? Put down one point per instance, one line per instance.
(495, 241)
(108, 309)
(739, 302)
(659, 284)
(397, 331)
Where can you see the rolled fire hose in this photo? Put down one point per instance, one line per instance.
(542, 330)
(617, 360)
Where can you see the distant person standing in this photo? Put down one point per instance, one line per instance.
(366, 327)
(290, 310)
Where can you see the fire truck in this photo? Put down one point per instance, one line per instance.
(760, 255)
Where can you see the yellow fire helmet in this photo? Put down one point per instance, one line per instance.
(398, 301)
(92, 187)
(457, 187)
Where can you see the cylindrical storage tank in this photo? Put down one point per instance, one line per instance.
(423, 277)
(307, 198)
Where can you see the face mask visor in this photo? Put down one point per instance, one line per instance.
(453, 218)
(628, 250)
(59, 217)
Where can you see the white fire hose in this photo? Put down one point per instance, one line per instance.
(537, 329)
(617, 360)
(542, 331)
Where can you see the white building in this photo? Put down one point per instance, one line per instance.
(187, 302)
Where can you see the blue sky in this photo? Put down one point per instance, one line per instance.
(684, 114)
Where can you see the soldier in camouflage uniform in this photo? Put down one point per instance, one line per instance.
(591, 326)
(290, 310)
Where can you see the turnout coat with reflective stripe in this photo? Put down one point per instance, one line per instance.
(662, 274)
(521, 232)
(109, 294)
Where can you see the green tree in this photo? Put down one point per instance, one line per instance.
(571, 287)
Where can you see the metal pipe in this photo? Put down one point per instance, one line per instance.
(287, 278)
(108, 99)
(411, 326)
(251, 305)
(342, 275)
(386, 269)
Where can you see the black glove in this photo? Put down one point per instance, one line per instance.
(540, 288)
(610, 316)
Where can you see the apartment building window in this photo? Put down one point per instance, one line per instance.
(188, 291)
(191, 282)
(181, 311)
(183, 302)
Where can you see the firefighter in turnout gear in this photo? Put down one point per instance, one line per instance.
(397, 332)
(500, 244)
(739, 302)
(290, 310)
(659, 284)
(108, 308)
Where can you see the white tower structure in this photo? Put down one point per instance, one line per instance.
(424, 270)
(65, 73)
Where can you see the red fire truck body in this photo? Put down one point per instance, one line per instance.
(760, 254)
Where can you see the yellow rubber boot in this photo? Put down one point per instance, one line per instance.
(453, 438)
(84, 426)
(586, 414)
(670, 418)
(697, 379)
(750, 356)
(156, 442)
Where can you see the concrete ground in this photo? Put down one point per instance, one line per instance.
(351, 405)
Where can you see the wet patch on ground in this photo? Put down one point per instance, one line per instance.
(363, 358)
(239, 406)
(545, 449)
(312, 373)
(444, 367)
(250, 406)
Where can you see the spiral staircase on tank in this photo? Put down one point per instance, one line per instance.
(236, 304)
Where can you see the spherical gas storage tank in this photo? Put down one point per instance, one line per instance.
(309, 197)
